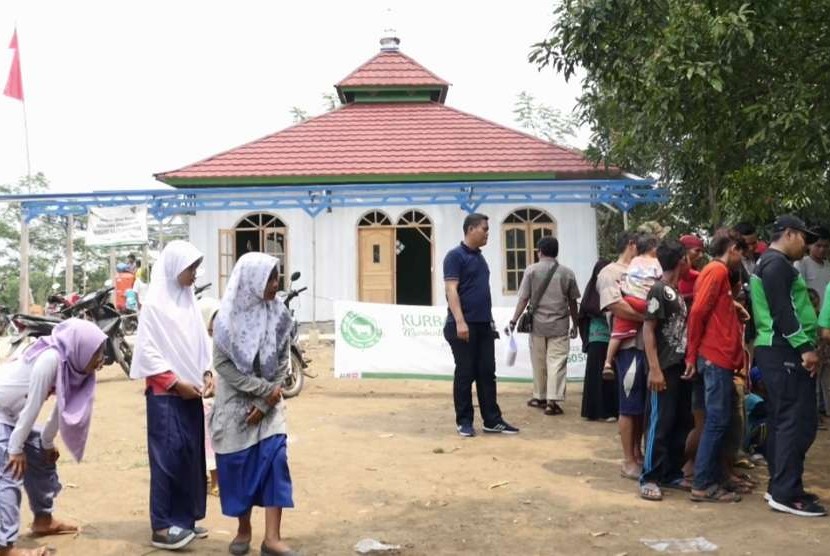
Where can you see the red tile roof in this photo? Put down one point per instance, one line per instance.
(390, 69)
(391, 139)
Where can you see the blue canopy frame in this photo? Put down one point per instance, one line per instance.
(623, 194)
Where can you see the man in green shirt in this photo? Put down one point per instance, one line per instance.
(785, 351)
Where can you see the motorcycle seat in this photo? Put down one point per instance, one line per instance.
(35, 318)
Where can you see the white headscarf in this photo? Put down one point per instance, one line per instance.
(171, 336)
(248, 325)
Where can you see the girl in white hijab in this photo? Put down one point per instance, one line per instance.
(173, 356)
(251, 336)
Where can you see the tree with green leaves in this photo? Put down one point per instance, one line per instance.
(725, 101)
(543, 121)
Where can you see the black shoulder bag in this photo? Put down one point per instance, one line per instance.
(525, 324)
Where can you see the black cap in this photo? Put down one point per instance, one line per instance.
(792, 222)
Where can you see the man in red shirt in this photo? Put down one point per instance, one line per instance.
(715, 350)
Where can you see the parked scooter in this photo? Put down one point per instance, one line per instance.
(94, 306)
(293, 383)
(198, 291)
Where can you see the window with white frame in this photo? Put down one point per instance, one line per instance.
(521, 232)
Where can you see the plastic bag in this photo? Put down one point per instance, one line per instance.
(512, 350)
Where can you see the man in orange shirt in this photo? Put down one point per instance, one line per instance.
(715, 350)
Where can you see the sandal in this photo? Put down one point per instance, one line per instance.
(716, 494)
(746, 478)
(239, 548)
(737, 486)
(553, 408)
(536, 402)
(744, 463)
(650, 491)
(608, 373)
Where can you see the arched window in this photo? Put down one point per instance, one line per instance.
(260, 232)
(522, 230)
(374, 218)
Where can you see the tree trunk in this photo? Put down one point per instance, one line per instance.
(714, 205)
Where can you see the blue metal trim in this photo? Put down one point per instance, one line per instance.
(469, 196)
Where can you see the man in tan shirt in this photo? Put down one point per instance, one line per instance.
(554, 325)
(630, 360)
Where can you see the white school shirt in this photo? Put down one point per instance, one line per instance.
(23, 389)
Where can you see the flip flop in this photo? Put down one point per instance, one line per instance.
(265, 551)
(650, 491)
(239, 548)
(717, 495)
(739, 487)
(61, 529)
(536, 402)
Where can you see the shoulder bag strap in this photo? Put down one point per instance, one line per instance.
(534, 301)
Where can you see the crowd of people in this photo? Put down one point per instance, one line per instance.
(709, 367)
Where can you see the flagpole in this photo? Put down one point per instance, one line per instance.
(26, 136)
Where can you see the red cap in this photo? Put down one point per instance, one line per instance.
(690, 241)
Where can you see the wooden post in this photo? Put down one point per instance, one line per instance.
(113, 263)
(625, 220)
(24, 266)
(70, 254)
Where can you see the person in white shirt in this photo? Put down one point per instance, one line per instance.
(62, 364)
(815, 269)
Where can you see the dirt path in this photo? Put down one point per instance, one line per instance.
(381, 459)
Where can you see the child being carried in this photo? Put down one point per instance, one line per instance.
(643, 272)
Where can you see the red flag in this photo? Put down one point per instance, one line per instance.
(14, 84)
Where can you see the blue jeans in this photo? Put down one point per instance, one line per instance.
(718, 386)
(40, 482)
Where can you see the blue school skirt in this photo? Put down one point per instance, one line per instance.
(255, 476)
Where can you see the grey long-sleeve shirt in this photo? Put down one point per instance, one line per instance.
(236, 394)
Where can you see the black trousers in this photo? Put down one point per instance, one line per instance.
(475, 362)
(792, 419)
(669, 422)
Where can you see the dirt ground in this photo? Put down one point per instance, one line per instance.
(381, 459)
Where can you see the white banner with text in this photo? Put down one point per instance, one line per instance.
(402, 341)
(110, 226)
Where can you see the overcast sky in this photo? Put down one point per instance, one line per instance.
(117, 91)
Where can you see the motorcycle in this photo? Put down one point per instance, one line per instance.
(293, 383)
(94, 306)
(198, 291)
(58, 301)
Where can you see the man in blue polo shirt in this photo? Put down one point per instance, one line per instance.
(470, 331)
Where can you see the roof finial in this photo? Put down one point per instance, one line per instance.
(389, 39)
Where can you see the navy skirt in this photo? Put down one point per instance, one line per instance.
(176, 445)
(255, 476)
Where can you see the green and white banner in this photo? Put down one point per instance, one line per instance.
(402, 341)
